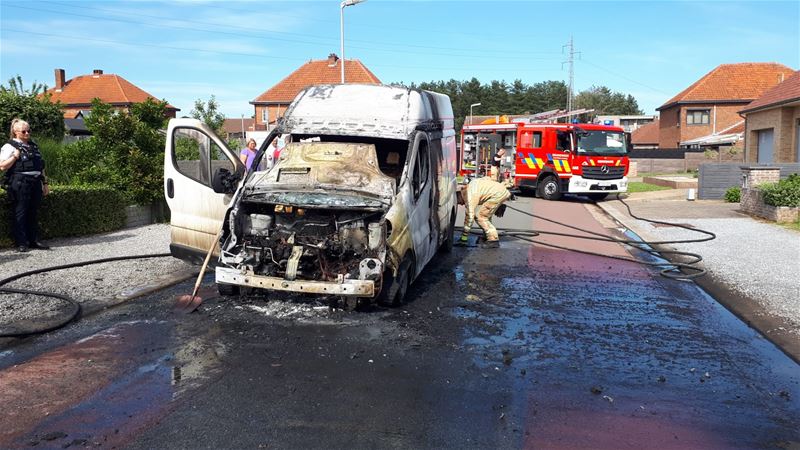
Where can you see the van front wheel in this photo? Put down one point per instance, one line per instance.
(550, 188)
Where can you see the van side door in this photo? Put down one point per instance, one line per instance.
(422, 212)
(192, 154)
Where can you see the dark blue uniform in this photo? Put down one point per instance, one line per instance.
(25, 191)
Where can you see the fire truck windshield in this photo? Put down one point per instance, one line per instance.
(599, 142)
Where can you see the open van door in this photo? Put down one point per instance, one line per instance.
(192, 155)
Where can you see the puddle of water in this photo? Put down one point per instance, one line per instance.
(110, 384)
(662, 349)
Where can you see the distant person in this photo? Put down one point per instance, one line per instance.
(248, 154)
(287, 139)
(487, 196)
(25, 181)
(497, 161)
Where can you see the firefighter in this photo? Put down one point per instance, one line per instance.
(497, 161)
(488, 197)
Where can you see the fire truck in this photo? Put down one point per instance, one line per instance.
(550, 159)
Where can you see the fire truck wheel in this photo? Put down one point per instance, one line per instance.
(550, 188)
(598, 197)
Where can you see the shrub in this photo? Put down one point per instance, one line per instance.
(71, 211)
(46, 119)
(783, 193)
(126, 150)
(733, 195)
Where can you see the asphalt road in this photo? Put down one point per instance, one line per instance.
(520, 347)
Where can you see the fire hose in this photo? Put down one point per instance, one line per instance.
(73, 308)
(673, 270)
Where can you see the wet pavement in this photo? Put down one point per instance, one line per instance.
(520, 347)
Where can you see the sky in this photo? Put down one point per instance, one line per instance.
(183, 50)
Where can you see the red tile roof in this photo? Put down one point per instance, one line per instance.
(646, 134)
(109, 88)
(786, 92)
(322, 71)
(731, 82)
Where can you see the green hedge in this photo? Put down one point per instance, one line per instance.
(71, 211)
(783, 193)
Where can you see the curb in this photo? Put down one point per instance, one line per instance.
(770, 327)
(93, 306)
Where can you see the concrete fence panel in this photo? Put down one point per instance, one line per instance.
(716, 178)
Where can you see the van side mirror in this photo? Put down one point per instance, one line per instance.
(224, 182)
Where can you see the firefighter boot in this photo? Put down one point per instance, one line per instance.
(491, 244)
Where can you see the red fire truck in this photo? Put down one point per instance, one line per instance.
(550, 159)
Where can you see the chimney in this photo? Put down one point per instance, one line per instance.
(60, 79)
(332, 59)
(97, 72)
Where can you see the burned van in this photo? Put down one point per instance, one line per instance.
(355, 206)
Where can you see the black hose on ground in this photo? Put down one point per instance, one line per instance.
(74, 308)
(674, 270)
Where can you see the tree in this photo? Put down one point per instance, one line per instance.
(126, 150)
(209, 113)
(605, 102)
(15, 86)
(46, 118)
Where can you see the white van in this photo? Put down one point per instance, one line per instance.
(356, 205)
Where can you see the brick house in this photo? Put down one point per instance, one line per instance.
(238, 128)
(76, 95)
(271, 105)
(772, 124)
(646, 136)
(713, 102)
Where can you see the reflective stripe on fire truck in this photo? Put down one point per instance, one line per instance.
(531, 161)
(618, 161)
(591, 161)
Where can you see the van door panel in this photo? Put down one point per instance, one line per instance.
(193, 152)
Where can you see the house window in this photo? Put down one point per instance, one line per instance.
(698, 117)
(265, 115)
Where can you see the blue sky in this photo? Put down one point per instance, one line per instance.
(187, 50)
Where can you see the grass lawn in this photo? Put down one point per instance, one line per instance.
(638, 186)
(792, 225)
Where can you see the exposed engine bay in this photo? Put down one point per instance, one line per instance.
(295, 243)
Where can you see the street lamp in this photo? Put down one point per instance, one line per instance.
(470, 111)
(476, 144)
(342, 5)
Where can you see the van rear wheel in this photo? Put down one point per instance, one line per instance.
(550, 188)
(447, 245)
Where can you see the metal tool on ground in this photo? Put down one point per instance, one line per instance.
(189, 303)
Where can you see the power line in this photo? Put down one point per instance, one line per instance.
(626, 78)
(255, 55)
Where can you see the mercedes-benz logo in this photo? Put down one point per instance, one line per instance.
(604, 169)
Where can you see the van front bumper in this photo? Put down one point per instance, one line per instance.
(580, 185)
(348, 287)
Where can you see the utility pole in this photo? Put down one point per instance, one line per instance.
(571, 62)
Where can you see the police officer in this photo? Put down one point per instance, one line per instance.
(24, 179)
